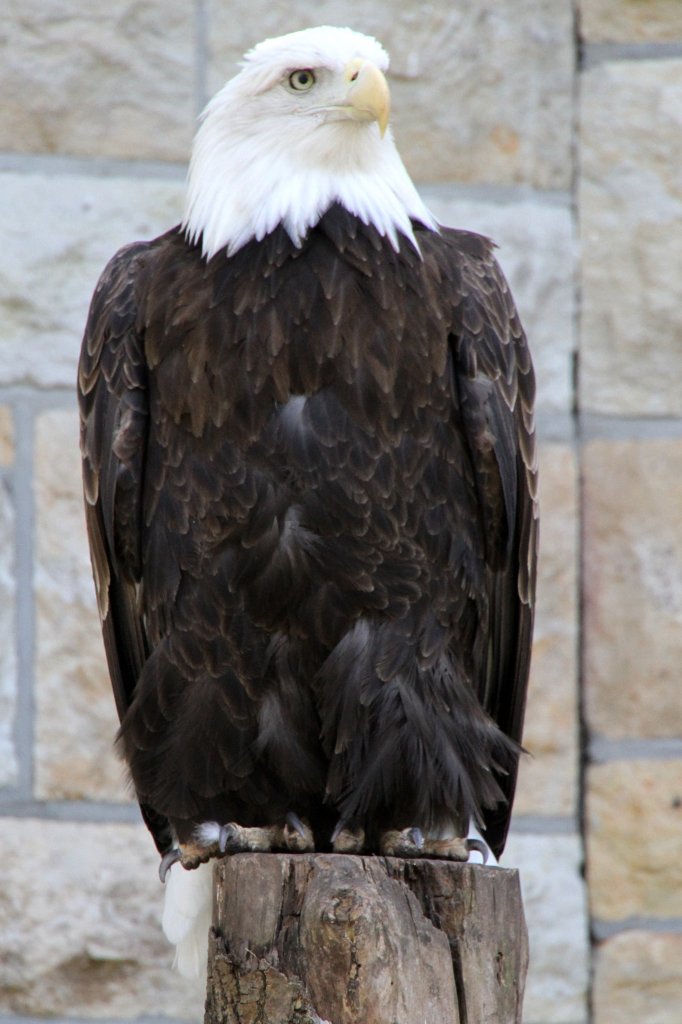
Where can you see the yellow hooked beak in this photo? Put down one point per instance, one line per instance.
(368, 97)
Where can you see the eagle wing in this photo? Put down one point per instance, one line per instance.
(112, 396)
(494, 388)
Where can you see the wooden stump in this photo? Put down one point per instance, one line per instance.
(311, 938)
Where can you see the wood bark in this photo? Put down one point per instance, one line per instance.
(311, 938)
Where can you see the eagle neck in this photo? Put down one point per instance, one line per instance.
(242, 189)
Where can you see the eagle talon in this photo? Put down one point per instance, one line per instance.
(229, 835)
(340, 827)
(234, 838)
(348, 840)
(167, 862)
(478, 846)
(411, 843)
(297, 836)
(417, 837)
(406, 843)
(295, 823)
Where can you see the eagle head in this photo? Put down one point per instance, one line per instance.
(303, 125)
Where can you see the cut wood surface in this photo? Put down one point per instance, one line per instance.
(309, 938)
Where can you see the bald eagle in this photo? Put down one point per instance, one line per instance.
(309, 473)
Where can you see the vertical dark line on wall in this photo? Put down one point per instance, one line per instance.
(583, 728)
(583, 732)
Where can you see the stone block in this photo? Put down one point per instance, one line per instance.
(480, 92)
(554, 903)
(536, 253)
(114, 80)
(6, 437)
(75, 716)
(630, 211)
(633, 587)
(634, 822)
(80, 932)
(548, 779)
(69, 228)
(9, 767)
(638, 978)
(630, 21)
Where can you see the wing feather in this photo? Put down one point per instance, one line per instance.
(495, 389)
(113, 411)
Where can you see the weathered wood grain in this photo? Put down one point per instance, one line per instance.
(299, 939)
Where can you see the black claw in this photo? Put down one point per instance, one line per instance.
(293, 821)
(417, 837)
(226, 835)
(167, 862)
(341, 824)
(477, 846)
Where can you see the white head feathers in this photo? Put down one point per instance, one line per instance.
(299, 128)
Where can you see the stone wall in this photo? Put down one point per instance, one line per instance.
(556, 131)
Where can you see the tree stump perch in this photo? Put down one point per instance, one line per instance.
(314, 938)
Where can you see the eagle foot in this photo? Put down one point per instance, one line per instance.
(447, 849)
(293, 836)
(190, 855)
(407, 843)
(348, 840)
(297, 835)
(410, 842)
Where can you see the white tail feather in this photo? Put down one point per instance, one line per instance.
(187, 917)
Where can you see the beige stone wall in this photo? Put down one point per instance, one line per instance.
(629, 202)
(556, 131)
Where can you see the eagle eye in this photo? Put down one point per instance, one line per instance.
(302, 80)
